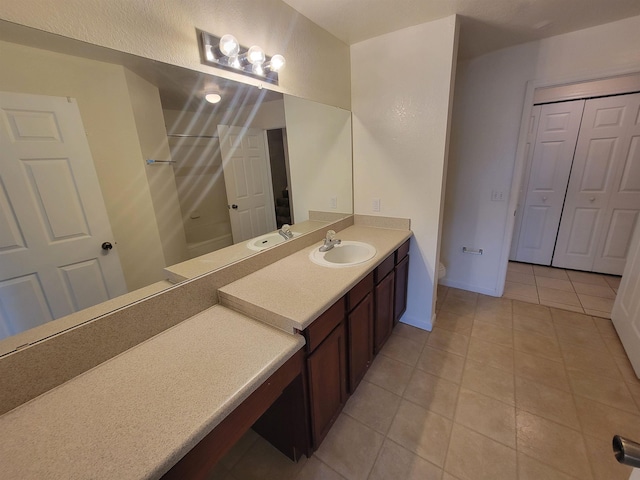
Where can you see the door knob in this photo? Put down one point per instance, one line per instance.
(592, 199)
(107, 246)
(544, 199)
(234, 206)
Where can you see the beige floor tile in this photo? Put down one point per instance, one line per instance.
(615, 346)
(552, 444)
(554, 283)
(350, 448)
(449, 341)
(454, 323)
(550, 272)
(314, 469)
(412, 333)
(219, 472)
(490, 354)
(465, 296)
(264, 462)
(520, 267)
(572, 308)
(498, 319)
(603, 461)
(389, 374)
(521, 292)
(602, 421)
(541, 326)
(597, 362)
(535, 344)
(613, 281)
(442, 364)
(612, 392)
(402, 349)
(422, 432)
(487, 416)
(531, 469)
(634, 389)
(626, 370)
(594, 290)
(239, 449)
(605, 327)
(448, 476)
(433, 393)
(475, 457)
(541, 370)
(490, 381)
(587, 277)
(396, 462)
(547, 402)
(535, 311)
(582, 337)
(517, 277)
(373, 406)
(596, 303)
(597, 313)
(494, 334)
(572, 319)
(460, 309)
(558, 296)
(498, 306)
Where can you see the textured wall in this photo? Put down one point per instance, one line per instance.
(317, 63)
(401, 108)
(488, 106)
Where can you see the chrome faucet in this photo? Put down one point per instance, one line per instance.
(330, 241)
(286, 232)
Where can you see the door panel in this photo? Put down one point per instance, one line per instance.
(52, 215)
(605, 179)
(551, 159)
(248, 181)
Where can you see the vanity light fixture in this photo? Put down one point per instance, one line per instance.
(225, 52)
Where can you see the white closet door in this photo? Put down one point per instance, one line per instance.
(603, 198)
(549, 173)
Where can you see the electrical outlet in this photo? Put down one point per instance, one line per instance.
(497, 196)
(333, 203)
(375, 206)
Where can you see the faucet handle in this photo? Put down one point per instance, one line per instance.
(286, 228)
(330, 234)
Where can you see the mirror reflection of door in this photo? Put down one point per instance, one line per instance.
(247, 175)
(53, 222)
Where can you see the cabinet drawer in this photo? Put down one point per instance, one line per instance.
(402, 251)
(357, 293)
(324, 324)
(384, 268)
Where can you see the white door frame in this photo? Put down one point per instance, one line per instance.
(519, 166)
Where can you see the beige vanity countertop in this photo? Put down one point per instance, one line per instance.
(137, 414)
(291, 293)
(219, 258)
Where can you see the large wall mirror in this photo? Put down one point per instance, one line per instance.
(115, 171)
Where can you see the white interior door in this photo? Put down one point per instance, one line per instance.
(553, 149)
(603, 197)
(247, 178)
(626, 309)
(52, 216)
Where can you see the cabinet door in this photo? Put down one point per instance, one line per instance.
(402, 280)
(360, 333)
(327, 383)
(384, 307)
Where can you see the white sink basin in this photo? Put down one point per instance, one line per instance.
(345, 254)
(267, 240)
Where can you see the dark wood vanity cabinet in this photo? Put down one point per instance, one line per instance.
(384, 292)
(326, 370)
(402, 281)
(360, 330)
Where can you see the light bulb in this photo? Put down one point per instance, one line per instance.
(229, 46)
(212, 97)
(255, 55)
(277, 63)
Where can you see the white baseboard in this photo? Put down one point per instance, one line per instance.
(470, 287)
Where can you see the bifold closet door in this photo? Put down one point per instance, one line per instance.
(548, 175)
(603, 197)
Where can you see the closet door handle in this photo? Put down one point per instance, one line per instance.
(592, 199)
(544, 199)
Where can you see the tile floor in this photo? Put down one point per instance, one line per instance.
(500, 389)
(583, 292)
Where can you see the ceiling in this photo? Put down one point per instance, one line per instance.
(486, 25)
